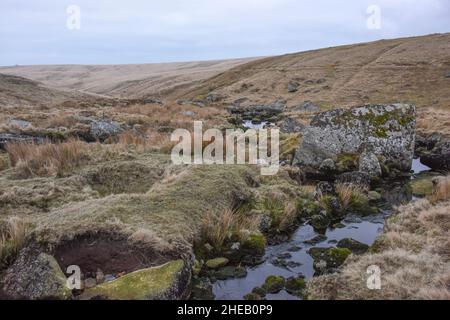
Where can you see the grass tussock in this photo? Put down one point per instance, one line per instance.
(12, 238)
(217, 228)
(47, 159)
(348, 193)
(441, 189)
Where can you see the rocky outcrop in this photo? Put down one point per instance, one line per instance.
(259, 112)
(438, 158)
(35, 276)
(6, 138)
(290, 125)
(384, 131)
(307, 107)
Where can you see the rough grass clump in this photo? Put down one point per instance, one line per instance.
(441, 189)
(283, 212)
(12, 238)
(47, 159)
(216, 227)
(348, 194)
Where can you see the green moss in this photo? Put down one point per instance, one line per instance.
(252, 297)
(274, 284)
(359, 203)
(216, 263)
(150, 283)
(339, 254)
(308, 208)
(255, 244)
(422, 186)
(295, 285)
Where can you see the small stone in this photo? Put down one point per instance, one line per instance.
(235, 246)
(293, 86)
(294, 249)
(109, 277)
(216, 263)
(374, 196)
(90, 283)
(274, 284)
(99, 276)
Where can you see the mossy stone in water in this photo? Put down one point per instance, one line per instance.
(295, 285)
(274, 284)
(255, 244)
(151, 283)
(216, 263)
(252, 297)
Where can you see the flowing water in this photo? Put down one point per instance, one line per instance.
(294, 251)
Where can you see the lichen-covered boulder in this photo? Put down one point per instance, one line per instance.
(383, 130)
(368, 163)
(168, 281)
(35, 276)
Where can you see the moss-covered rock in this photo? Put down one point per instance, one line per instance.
(147, 284)
(252, 297)
(295, 285)
(354, 246)
(274, 284)
(216, 263)
(327, 260)
(259, 291)
(255, 244)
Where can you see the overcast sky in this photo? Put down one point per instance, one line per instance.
(144, 31)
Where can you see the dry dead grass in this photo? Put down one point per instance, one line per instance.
(47, 159)
(216, 228)
(431, 120)
(441, 190)
(347, 193)
(12, 238)
(413, 254)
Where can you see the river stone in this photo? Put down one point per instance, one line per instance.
(216, 263)
(384, 130)
(35, 276)
(368, 163)
(354, 246)
(327, 260)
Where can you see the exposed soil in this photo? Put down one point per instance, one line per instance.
(112, 254)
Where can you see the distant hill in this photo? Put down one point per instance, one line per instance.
(124, 81)
(409, 70)
(16, 91)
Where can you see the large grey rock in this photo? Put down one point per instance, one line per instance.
(368, 163)
(104, 129)
(384, 130)
(259, 112)
(35, 276)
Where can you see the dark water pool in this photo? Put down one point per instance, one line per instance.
(362, 229)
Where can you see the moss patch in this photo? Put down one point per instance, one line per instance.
(152, 283)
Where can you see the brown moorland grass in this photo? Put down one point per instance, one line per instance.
(48, 158)
(12, 238)
(441, 189)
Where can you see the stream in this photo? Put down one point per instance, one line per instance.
(363, 229)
